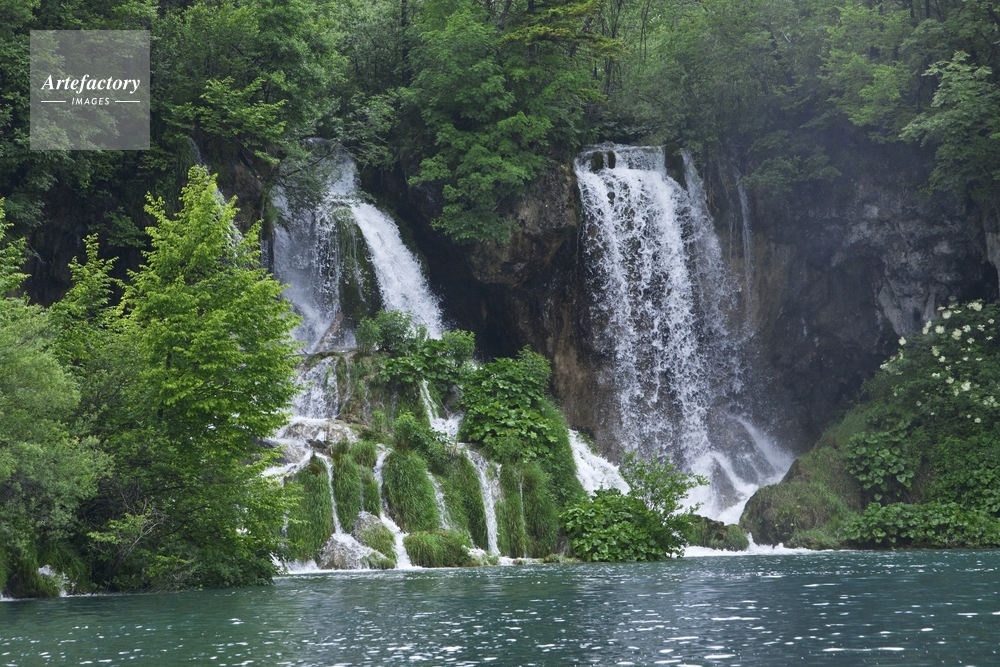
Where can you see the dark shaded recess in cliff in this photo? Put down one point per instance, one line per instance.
(844, 268)
(466, 303)
(70, 216)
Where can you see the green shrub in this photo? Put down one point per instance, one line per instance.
(437, 548)
(409, 492)
(310, 523)
(512, 538)
(503, 402)
(930, 525)
(614, 527)
(644, 525)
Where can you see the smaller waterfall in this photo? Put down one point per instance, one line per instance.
(402, 558)
(439, 500)
(400, 276)
(337, 528)
(747, 241)
(489, 483)
(320, 397)
(593, 471)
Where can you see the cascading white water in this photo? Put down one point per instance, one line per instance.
(313, 251)
(400, 278)
(593, 471)
(662, 309)
(489, 484)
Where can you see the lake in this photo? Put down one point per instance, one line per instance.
(828, 608)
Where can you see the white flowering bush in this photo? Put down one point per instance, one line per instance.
(932, 424)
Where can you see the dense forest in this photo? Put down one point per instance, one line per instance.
(143, 351)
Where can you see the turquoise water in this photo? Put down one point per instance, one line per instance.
(906, 608)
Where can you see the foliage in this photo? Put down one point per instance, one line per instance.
(45, 472)
(491, 93)
(503, 402)
(310, 523)
(347, 486)
(643, 525)
(881, 460)
(541, 513)
(463, 498)
(930, 525)
(437, 548)
(409, 492)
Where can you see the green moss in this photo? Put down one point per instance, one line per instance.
(541, 515)
(512, 537)
(409, 492)
(310, 523)
(347, 490)
(816, 494)
(380, 538)
(704, 532)
(437, 548)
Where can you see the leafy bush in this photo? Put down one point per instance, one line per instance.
(464, 499)
(346, 488)
(409, 492)
(931, 525)
(437, 548)
(643, 525)
(503, 402)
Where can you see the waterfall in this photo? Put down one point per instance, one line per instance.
(328, 462)
(593, 471)
(663, 313)
(339, 259)
(489, 484)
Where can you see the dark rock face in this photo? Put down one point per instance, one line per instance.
(841, 271)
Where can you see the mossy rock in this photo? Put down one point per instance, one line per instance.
(437, 548)
(817, 493)
(371, 532)
(704, 532)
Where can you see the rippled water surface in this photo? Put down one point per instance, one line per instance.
(907, 608)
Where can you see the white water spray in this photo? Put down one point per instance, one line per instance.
(662, 310)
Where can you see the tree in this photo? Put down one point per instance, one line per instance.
(645, 524)
(44, 472)
(187, 504)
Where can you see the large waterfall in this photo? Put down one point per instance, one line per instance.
(665, 313)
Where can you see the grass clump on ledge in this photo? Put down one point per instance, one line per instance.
(437, 548)
(310, 523)
(409, 492)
